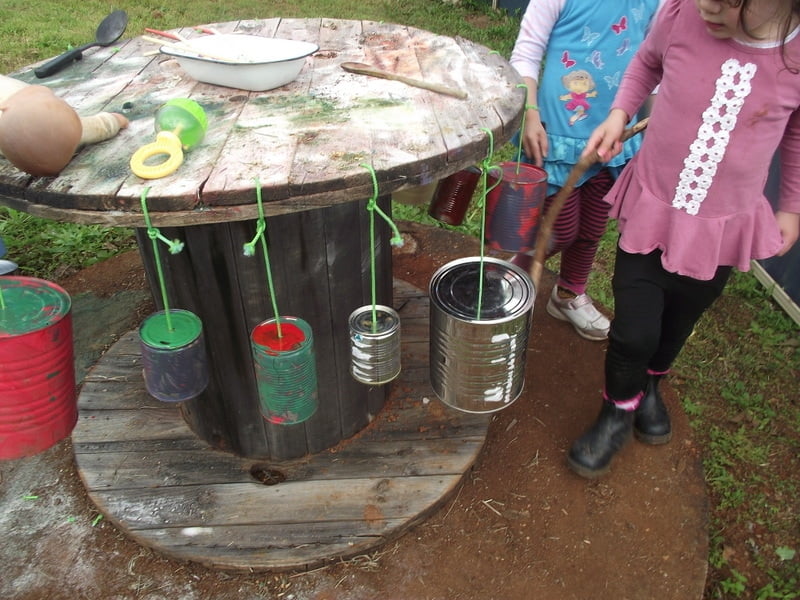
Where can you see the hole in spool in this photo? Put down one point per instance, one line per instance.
(266, 475)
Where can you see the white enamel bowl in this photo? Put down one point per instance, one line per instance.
(246, 62)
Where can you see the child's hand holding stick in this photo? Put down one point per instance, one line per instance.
(546, 227)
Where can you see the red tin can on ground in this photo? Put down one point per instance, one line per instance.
(38, 400)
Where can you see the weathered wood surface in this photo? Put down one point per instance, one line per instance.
(144, 468)
(306, 142)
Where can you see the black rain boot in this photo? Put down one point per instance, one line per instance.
(651, 424)
(591, 454)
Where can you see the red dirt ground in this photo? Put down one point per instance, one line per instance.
(521, 526)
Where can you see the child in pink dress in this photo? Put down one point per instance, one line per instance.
(690, 204)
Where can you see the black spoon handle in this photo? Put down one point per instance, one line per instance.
(59, 62)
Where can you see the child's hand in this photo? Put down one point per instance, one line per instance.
(534, 139)
(605, 140)
(789, 225)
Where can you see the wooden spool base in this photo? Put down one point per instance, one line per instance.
(167, 489)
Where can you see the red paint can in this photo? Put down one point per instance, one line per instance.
(514, 206)
(38, 399)
(453, 195)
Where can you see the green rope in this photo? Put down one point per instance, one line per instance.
(522, 125)
(397, 240)
(175, 246)
(250, 250)
(483, 222)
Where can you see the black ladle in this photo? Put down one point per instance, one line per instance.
(109, 31)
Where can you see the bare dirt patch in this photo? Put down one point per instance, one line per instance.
(520, 526)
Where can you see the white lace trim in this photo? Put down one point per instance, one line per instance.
(713, 135)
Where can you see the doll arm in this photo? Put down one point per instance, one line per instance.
(100, 127)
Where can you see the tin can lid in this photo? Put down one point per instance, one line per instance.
(507, 290)
(386, 320)
(182, 328)
(30, 304)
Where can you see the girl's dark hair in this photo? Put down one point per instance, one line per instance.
(786, 28)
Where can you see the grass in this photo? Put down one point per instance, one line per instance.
(737, 377)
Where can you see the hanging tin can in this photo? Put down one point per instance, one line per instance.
(38, 400)
(173, 355)
(453, 195)
(416, 196)
(286, 370)
(375, 344)
(477, 359)
(514, 206)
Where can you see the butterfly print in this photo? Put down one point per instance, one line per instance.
(621, 26)
(589, 36)
(596, 58)
(566, 60)
(612, 80)
(624, 47)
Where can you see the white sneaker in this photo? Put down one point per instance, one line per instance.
(580, 311)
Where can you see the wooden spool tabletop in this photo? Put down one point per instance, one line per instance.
(161, 485)
(306, 142)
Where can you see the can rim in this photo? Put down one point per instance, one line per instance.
(31, 305)
(155, 333)
(522, 306)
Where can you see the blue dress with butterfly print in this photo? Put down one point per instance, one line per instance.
(588, 48)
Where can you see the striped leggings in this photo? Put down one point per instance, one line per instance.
(578, 229)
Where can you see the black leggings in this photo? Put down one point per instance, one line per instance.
(655, 312)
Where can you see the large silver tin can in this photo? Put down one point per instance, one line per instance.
(477, 357)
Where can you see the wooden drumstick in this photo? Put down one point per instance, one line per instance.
(546, 226)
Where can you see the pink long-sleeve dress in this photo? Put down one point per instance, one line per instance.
(695, 189)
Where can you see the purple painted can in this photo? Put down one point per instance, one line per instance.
(38, 399)
(174, 362)
(514, 206)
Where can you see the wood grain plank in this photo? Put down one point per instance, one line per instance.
(146, 468)
(291, 502)
(250, 548)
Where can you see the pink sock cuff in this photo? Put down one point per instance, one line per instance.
(628, 405)
(651, 372)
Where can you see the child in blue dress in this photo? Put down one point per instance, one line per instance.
(571, 55)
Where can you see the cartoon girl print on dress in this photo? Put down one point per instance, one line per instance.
(580, 85)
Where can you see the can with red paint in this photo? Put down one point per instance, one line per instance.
(285, 369)
(513, 207)
(38, 400)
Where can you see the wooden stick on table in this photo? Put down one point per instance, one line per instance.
(546, 227)
(364, 69)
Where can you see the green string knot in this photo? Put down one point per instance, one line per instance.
(397, 240)
(249, 248)
(174, 246)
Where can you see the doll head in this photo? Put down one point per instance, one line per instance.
(39, 132)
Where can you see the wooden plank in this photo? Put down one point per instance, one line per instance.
(155, 423)
(292, 547)
(784, 300)
(146, 468)
(298, 502)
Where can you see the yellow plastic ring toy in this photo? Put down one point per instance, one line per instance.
(166, 143)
